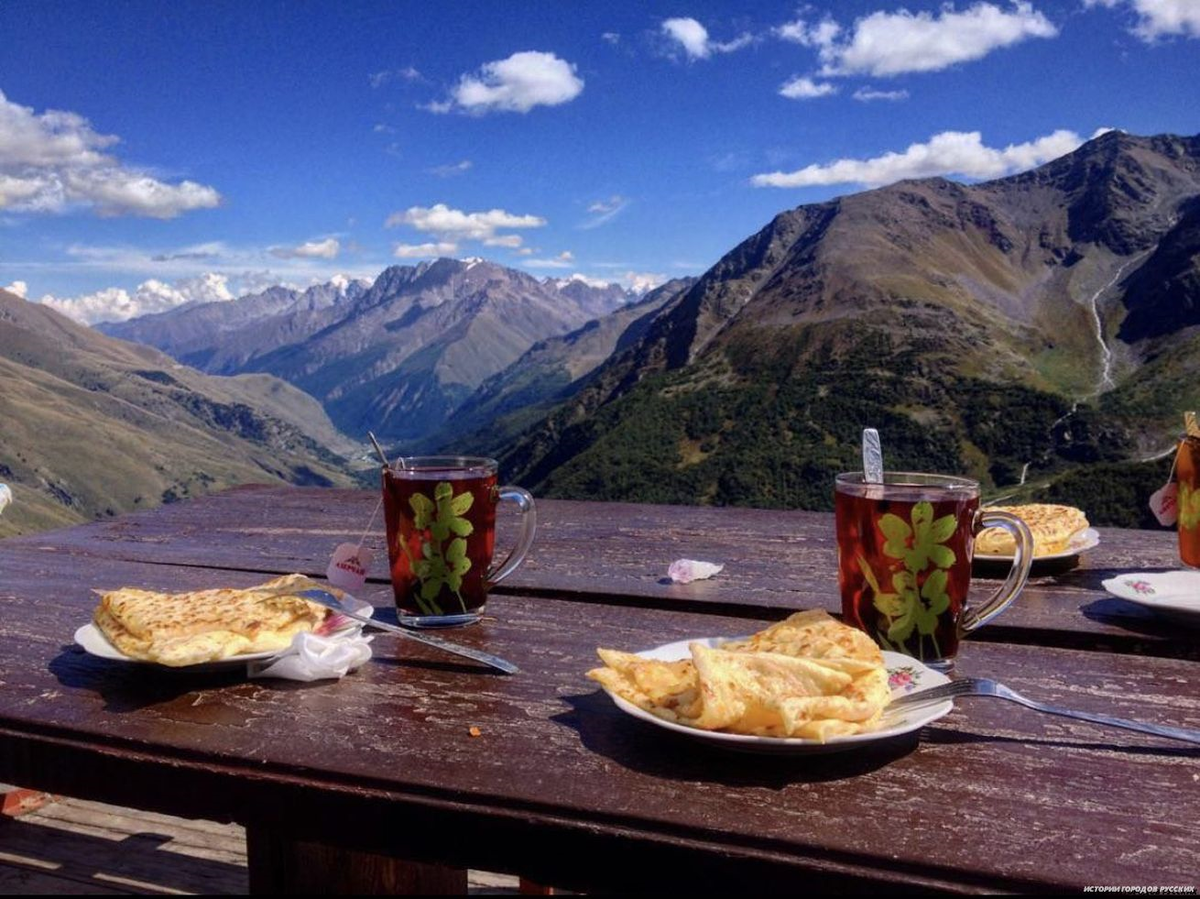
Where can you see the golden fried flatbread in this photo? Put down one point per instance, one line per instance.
(814, 634)
(808, 676)
(1052, 527)
(180, 629)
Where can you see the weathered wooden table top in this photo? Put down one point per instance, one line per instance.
(618, 553)
(992, 797)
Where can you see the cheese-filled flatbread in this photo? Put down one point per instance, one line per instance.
(180, 629)
(814, 634)
(808, 676)
(1052, 527)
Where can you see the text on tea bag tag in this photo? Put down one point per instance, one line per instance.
(348, 568)
(1164, 502)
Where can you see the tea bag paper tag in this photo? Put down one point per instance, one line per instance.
(348, 568)
(1164, 503)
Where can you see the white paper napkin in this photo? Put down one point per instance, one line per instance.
(311, 658)
(684, 571)
(314, 657)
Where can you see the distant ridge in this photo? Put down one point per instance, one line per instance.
(396, 356)
(94, 426)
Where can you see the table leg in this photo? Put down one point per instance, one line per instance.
(280, 864)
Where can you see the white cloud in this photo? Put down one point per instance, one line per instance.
(867, 94)
(693, 38)
(455, 225)
(611, 37)
(20, 288)
(892, 43)
(512, 241)
(1159, 18)
(517, 84)
(801, 88)
(117, 304)
(381, 128)
(379, 79)
(800, 32)
(604, 211)
(642, 282)
(424, 250)
(949, 153)
(582, 279)
(451, 169)
(565, 259)
(312, 249)
(53, 162)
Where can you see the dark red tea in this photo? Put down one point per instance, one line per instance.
(441, 531)
(905, 569)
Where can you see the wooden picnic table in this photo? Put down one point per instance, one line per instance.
(334, 780)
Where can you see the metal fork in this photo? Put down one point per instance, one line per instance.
(977, 686)
(325, 598)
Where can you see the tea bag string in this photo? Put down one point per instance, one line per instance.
(1174, 462)
(363, 538)
(383, 458)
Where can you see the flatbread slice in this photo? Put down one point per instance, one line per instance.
(179, 629)
(1052, 527)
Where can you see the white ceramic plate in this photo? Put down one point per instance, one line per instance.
(1174, 594)
(1080, 542)
(93, 641)
(907, 675)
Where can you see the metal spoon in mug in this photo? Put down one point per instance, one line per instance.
(327, 599)
(872, 456)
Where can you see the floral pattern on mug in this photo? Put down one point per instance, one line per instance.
(916, 597)
(1189, 505)
(442, 564)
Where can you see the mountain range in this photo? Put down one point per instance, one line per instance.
(396, 357)
(1040, 332)
(1039, 328)
(91, 426)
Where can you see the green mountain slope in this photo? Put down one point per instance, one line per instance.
(93, 426)
(978, 327)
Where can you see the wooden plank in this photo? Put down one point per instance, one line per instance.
(560, 776)
(31, 862)
(616, 553)
(142, 862)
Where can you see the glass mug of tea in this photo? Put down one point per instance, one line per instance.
(904, 561)
(440, 515)
(1187, 473)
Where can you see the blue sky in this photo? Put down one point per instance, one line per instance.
(155, 153)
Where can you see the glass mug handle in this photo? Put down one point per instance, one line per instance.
(1017, 575)
(511, 562)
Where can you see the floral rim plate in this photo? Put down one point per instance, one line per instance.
(906, 675)
(1175, 594)
(94, 643)
(1080, 542)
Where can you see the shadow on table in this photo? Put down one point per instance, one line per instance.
(178, 694)
(640, 746)
(1093, 578)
